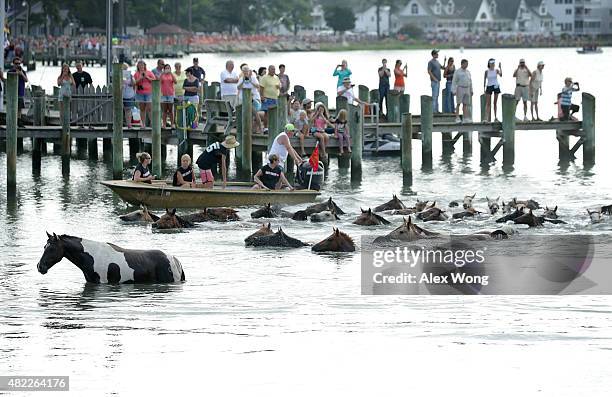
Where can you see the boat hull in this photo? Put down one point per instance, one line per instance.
(237, 194)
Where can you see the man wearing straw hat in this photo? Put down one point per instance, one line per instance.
(209, 158)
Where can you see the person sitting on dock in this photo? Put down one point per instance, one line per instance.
(302, 126)
(307, 106)
(567, 107)
(522, 75)
(142, 173)
(183, 176)
(320, 126)
(271, 176)
(462, 88)
(341, 131)
(346, 90)
(209, 158)
(281, 146)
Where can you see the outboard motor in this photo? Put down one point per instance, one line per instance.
(304, 171)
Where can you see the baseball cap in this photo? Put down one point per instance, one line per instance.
(522, 60)
(541, 63)
(434, 51)
(289, 127)
(306, 101)
(346, 80)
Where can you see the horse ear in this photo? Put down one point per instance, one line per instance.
(555, 210)
(173, 211)
(487, 197)
(497, 199)
(337, 231)
(369, 211)
(55, 237)
(167, 212)
(473, 195)
(269, 225)
(48, 235)
(394, 197)
(588, 211)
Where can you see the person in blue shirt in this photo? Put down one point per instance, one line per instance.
(567, 108)
(23, 79)
(342, 71)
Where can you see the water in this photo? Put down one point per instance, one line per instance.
(292, 322)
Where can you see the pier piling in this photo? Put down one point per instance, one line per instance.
(406, 149)
(426, 130)
(38, 100)
(393, 106)
(247, 135)
(363, 93)
(355, 119)
(156, 128)
(320, 96)
(404, 104)
(11, 134)
(282, 111)
(238, 152)
(588, 127)
(66, 138)
(508, 128)
(117, 142)
(273, 126)
(485, 141)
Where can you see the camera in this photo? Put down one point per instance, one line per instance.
(246, 78)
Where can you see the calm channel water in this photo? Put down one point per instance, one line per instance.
(289, 322)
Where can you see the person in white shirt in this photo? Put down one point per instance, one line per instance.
(248, 81)
(462, 88)
(522, 75)
(346, 90)
(535, 90)
(229, 84)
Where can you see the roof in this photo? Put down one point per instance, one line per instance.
(164, 28)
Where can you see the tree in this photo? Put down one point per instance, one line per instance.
(339, 18)
(412, 31)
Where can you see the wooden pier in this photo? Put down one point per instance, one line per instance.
(364, 125)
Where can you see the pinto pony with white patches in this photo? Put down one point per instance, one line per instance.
(106, 263)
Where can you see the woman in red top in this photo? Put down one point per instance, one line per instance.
(167, 81)
(143, 79)
(400, 73)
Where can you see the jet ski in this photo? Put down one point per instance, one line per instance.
(387, 144)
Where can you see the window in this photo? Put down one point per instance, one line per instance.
(569, 2)
(543, 10)
(568, 11)
(483, 16)
(438, 8)
(450, 8)
(558, 1)
(414, 9)
(493, 6)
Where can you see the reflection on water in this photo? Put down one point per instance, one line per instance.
(292, 306)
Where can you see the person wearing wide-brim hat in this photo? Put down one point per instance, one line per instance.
(346, 90)
(215, 152)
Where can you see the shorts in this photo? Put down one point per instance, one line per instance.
(192, 99)
(567, 110)
(206, 176)
(128, 103)
(464, 96)
(178, 99)
(534, 93)
(267, 103)
(256, 105)
(167, 98)
(521, 93)
(493, 89)
(143, 98)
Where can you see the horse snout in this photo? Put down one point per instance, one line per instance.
(41, 269)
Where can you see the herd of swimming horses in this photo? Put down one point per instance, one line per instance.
(108, 263)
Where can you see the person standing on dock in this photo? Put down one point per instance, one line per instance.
(144, 90)
(535, 89)
(491, 83)
(434, 69)
(229, 84)
(248, 81)
(342, 71)
(180, 77)
(522, 75)
(159, 69)
(167, 82)
(270, 88)
(81, 77)
(462, 87)
(400, 73)
(66, 84)
(383, 86)
(23, 79)
(448, 102)
(128, 94)
(284, 81)
(198, 73)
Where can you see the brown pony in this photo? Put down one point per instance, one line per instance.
(337, 242)
(265, 230)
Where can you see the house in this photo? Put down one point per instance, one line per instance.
(458, 16)
(582, 16)
(365, 21)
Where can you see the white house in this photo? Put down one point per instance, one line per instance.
(365, 21)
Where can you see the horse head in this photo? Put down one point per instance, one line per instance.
(420, 205)
(54, 252)
(595, 216)
(467, 201)
(336, 242)
(493, 205)
(168, 221)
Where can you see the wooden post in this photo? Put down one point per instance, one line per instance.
(247, 135)
(273, 127)
(282, 111)
(319, 96)
(485, 141)
(107, 149)
(394, 106)
(406, 147)
(66, 139)
(117, 122)
(426, 129)
(588, 126)
(156, 156)
(81, 146)
(39, 119)
(363, 93)
(299, 92)
(404, 104)
(564, 148)
(11, 134)
(238, 152)
(215, 91)
(341, 103)
(508, 127)
(355, 119)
